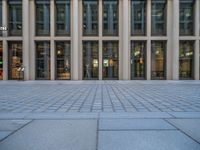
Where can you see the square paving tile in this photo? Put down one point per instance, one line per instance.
(145, 140)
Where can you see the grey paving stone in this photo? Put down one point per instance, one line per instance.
(185, 114)
(145, 140)
(4, 134)
(133, 124)
(12, 124)
(53, 135)
(189, 126)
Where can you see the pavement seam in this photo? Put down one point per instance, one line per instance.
(97, 132)
(182, 131)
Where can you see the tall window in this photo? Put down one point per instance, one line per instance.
(90, 60)
(1, 61)
(62, 17)
(158, 17)
(42, 17)
(90, 17)
(15, 17)
(186, 60)
(110, 60)
(186, 17)
(63, 61)
(14, 59)
(110, 17)
(158, 60)
(138, 17)
(0, 16)
(138, 60)
(43, 60)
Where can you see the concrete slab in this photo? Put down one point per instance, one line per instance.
(189, 126)
(12, 124)
(185, 114)
(54, 135)
(133, 124)
(135, 115)
(145, 140)
(4, 134)
(12, 115)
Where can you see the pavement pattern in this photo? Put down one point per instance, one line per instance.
(100, 115)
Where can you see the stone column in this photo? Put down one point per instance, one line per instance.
(52, 44)
(196, 50)
(125, 40)
(148, 57)
(100, 40)
(75, 42)
(26, 48)
(175, 40)
(5, 47)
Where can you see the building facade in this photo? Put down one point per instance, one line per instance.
(100, 39)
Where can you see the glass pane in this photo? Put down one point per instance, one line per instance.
(110, 60)
(14, 59)
(62, 17)
(90, 17)
(138, 59)
(42, 18)
(138, 17)
(110, 17)
(186, 17)
(90, 60)
(43, 60)
(158, 17)
(158, 61)
(63, 61)
(186, 60)
(1, 60)
(15, 18)
(0, 16)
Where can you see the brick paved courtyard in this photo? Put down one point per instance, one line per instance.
(100, 115)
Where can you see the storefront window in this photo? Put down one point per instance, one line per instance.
(138, 59)
(42, 17)
(186, 17)
(0, 16)
(90, 60)
(43, 60)
(110, 17)
(138, 17)
(158, 17)
(158, 60)
(110, 60)
(62, 17)
(186, 62)
(14, 59)
(1, 60)
(90, 17)
(63, 61)
(15, 17)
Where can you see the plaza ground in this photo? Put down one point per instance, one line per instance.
(100, 115)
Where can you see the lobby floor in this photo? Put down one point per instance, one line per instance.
(100, 115)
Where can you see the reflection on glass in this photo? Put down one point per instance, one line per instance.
(0, 16)
(43, 60)
(14, 59)
(158, 17)
(110, 17)
(63, 61)
(138, 60)
(15, 17)
(186, 60)
(138, 17)
(62, 17)
(90, 17)
(110, 60)
(90, 60)
(186, 17)
(1, 61)
(158, 61)
(42, 17)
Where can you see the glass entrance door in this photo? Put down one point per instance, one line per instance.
(110, 60)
